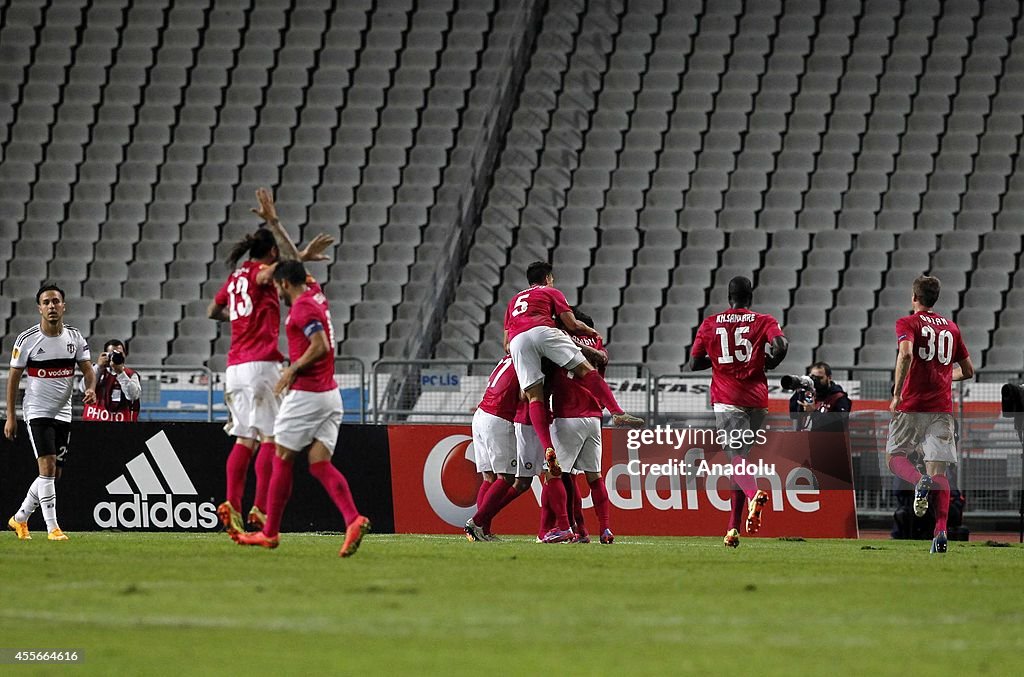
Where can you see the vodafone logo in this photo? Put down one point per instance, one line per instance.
(450, 480)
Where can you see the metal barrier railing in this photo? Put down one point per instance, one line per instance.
(448, 391)
(199, 391)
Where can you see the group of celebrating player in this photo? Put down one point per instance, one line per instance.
(540, 414)
(553, 350)
(285, 410)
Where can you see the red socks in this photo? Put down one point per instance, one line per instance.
(904, 469)
(940, 495)
(556, 498)
(598, 387)
(237, 467)
(739, 502)
(280, 492)
(492, 502)
(599, 494)
(748, 483)
(264, 469)
(539, 421)
(481, 492)
(547, 518)
(337, 488)
(574, 503)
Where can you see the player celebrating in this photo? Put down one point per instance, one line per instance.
(738, 345)
(494, 443)
(531, 334)
(577, 430)
(931, 356)
(310, 414)
(49, 352)
(249, 301)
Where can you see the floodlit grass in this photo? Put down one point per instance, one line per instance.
(198, 604)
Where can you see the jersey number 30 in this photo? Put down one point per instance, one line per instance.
(742, 350)
(945, 345)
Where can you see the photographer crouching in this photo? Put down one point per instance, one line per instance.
(818, 403)
(118, 388)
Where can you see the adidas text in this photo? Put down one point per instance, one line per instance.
(161, 513)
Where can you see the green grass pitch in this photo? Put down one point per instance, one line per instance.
(162, 604)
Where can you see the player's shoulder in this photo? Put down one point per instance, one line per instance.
(28, 333)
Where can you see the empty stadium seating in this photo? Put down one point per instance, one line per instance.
(830, 151)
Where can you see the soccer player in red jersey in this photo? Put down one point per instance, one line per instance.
(494, 443)
(931, 356)
(249, 301)
(738, 345)
(531, 334)
(594, 350)
(310, 414)
(577, 431)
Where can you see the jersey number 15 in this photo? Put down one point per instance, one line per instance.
(742, 348)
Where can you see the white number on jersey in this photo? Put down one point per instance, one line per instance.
(742, 349)
(240, 304)
(945, 345)
(521, 305)
(330, 328)
(498, 371)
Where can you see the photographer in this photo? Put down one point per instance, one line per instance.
(118, 388)
(819, 404)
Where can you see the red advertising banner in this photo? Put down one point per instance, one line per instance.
(434, 484)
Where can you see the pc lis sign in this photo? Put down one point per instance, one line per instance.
(443, 380)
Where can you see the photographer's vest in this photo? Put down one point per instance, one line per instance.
(828, 402)
(111, 403)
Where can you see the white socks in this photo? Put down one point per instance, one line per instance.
(29, 505)
(43, 493)
(47, 493)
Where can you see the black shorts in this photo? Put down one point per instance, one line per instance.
(50, 437)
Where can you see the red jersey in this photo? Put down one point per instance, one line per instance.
(501, 398)
(735, 341)
(595, 342)
(308, 315)
(534, 307)
(937, 347)
(255, 314)
(570, 399)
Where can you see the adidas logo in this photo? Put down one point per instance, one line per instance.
(40, 351)
(163, 512)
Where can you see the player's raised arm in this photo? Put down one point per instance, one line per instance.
(267, 211)
(314, 251)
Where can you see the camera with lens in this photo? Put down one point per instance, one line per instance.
(793, 382)
(116, 357)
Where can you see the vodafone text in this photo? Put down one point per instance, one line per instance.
(796, 490)
(667, 436)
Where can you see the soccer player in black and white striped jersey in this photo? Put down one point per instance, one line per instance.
(49, 353)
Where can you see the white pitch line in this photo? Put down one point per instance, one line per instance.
(303, 624)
